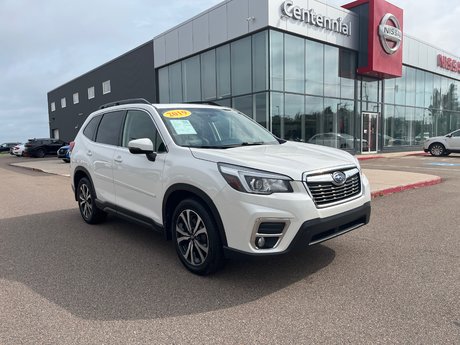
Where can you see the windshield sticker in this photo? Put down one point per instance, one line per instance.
(183, 127)
(177, 114)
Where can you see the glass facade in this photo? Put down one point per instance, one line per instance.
(418, 105)
(306, 91)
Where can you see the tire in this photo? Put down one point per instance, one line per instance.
(66, 160)
(86, 198)
(196, 238)
(40, 153)
(437, 149)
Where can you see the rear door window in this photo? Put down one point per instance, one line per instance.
(110, 127)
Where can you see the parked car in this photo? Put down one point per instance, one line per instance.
(443, 145)
(6, 147)
(338, 140)
(18, 150)
(64, 153)
(214, 181)
(42, 147)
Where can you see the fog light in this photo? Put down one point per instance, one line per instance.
(260, 242)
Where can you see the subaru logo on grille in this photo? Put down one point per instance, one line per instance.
(338, 178)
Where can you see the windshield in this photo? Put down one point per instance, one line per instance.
(214, 128)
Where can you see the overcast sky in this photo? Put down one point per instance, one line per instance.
(44, 44)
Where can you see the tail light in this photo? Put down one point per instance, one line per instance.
(71, 145)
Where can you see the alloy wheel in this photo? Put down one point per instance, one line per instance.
(192, 237)
(437, 150)
(85, 201)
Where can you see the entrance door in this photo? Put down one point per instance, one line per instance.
(369, 133)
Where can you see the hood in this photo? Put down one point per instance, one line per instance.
(291, 158)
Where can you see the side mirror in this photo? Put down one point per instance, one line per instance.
(142, 146)
(449, 136)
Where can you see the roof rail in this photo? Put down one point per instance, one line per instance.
(204, 102)
(125, 101)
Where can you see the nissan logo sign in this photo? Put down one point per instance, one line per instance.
(390, 35)
(338, 178)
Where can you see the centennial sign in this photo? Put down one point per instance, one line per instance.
(390, 35)
(309, 16)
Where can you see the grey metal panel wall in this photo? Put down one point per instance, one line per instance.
(237, 13)
(223, 22)
(131, 75)
(159, 51)
(234, 18)
(200, 33)
(258, 14)
(424, 55)
(218, 26)
(186, 39)
(172, 45)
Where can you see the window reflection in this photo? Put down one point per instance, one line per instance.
(312, 91)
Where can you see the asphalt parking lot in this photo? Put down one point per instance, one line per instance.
(396, 281)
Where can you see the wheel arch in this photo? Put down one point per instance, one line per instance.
(181, 191)
(79, 173)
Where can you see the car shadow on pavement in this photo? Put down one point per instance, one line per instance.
(120, 271)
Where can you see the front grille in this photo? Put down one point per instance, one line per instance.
(324, 191)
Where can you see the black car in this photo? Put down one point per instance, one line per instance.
(42, 147)
(7, 146)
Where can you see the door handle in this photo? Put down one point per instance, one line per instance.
(118, 159)
(89, 153)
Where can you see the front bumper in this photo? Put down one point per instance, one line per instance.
(249, 217)
(318, 230)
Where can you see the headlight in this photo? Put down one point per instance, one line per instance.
(254, 181)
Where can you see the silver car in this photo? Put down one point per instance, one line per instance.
(443, 145)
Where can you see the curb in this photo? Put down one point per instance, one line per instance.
(36, 169)
(365, 158)
(398, 189)
(377, 156)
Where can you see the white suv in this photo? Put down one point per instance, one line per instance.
(214, 181)
(443, 145)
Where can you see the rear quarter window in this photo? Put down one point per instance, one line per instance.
(91, 127)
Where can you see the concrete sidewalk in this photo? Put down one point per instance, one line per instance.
(382, 182)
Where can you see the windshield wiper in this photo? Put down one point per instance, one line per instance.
(210, 147)
(252, 143)
(229, 146)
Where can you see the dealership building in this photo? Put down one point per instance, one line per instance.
(346, 77)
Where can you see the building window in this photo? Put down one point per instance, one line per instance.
(223, 71)
(208, 75)
(241, 66)
(294, 64)
(314, 81)
(76, 98)
(163, 81)
(91, 92)
(260, 61)
(277, 61)
(53, 106)
(191, 82)
(63, 103)
(106, 87)
(175, 83)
